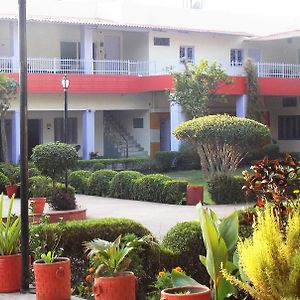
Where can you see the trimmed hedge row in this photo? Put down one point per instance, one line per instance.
(129, 185)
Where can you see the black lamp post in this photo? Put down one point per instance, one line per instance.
(65, 82)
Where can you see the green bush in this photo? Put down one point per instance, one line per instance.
(185, 241)
(40, 186)
(121, 185)
(98, 166)
(53, 159)
(3, 182)
(79, 180)
(74, 233)
(188, 158)
(11, 171)
(166, 160)
(174, 191)
(146, 167)
(99, 182)
(62, 200)
(150, 187)
(226, 189)
(32, 172)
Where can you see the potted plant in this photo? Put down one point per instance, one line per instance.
(110, 262)
(12, 172)
(186, 292)
(10, 258)
(52, 273)
(39, 190)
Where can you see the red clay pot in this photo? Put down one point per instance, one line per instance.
(115, 288)
(37, 204)
(10, 270)
(197, 293)
(53, 281)
(194, 194)
(11, 189)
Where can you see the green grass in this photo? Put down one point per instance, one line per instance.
(195, 177)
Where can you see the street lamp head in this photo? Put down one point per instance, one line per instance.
(65, 82)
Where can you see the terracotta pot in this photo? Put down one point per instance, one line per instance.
(196, 293)
(10, 270)
(11, 189)
(194, 194)
(53, 281)
(37, 204)
(115, 288)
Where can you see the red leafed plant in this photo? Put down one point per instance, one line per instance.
(275, 181)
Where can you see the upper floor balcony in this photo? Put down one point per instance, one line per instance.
(130, 67)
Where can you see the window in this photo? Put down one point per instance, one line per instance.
(159, 41)
(138, 123)
(59, 130)
(236, 57)
(70, 54)
(289, 127)
(289, 102)
(186, 54)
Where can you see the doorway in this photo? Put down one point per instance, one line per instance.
(165, 135)
(34, 134)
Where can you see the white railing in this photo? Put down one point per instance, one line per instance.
(278, 70)
(130, 67)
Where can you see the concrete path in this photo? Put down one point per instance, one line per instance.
(158, 218)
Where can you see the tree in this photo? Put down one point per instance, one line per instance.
(222, 141)
(255, 101)
(8, 90)
(196, 88)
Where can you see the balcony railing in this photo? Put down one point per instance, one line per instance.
(129, 67)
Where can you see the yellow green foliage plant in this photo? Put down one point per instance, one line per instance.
(270, 259)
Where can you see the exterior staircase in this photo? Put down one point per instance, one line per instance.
(119, 143)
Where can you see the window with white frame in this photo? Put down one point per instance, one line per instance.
(186, 54)
(72, 130)
(289, 127)
(236, 57)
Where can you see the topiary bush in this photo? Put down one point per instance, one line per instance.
(174, 191)
(150, 187)
(33, 172)
(40, 186)
(185, 241)
(79, 180)
(54, 159)
(121, 185)
(227, 189)
(166, 160)
(99, 182)
(3, 182)
(62, 199)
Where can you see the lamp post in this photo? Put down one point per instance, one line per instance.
(65, 82)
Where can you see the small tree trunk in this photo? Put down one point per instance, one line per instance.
(4, 140)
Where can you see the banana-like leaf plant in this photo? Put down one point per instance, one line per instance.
(220, 238)
(10, 230)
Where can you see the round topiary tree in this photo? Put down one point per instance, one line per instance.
(54, 159)
(222, 141)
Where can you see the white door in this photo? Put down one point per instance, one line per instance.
(111, 47)
(254, 55)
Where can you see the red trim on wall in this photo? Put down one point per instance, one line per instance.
(122, 84)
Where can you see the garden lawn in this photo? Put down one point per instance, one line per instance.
(195, 177)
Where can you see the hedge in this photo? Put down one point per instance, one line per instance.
(166, 160)
(79, 180)
(174, 191)
(121, 185)
(99, 182)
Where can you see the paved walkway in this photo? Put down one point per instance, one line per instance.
(158, 218)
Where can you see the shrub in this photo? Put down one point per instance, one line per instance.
(3, 182)
(53, 159)
(185, 241)
(188, 158)
(11, 171)
(222, 141)
(98, 166)
(150, 187)
(33, 172)
(62, 200)
(79, 180)
(146, 167)
(166, 160)
(40, 186)
(122, 184)
(174, 191)
(99, 182)
(227, 189)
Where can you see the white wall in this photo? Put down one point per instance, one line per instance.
(135, 46)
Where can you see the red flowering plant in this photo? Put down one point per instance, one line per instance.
(275, 181)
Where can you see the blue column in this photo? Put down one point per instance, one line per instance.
(241, 106)
(15, 151)
(177, 117)
(88, 133)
